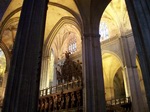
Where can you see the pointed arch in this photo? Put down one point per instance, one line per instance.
(54, 31)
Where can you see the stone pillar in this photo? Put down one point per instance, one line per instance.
(93, 93)
(55, 82)
(44, 80)
(22, 88)
(139, 15)
(48, 71)
(126, 81)
(131, 72)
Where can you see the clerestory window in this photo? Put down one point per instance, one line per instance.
(72, 47)
(104, 32)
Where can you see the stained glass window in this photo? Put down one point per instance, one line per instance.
(103, 31)
(72, 45)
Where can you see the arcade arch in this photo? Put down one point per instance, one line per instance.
(112, 65)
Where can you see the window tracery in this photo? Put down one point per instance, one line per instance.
(72, 47)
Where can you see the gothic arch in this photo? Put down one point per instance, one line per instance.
(111, 64)
(67, 9)
(118, 84)
(8, 23)
(48, 44)
(56, 28)
(5, 21)
(113, 53)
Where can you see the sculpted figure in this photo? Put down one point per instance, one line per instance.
(72, 99)
(78, 99)
(59, 102)
(67, 100)
(78, 70)
(62, 101)
(67, 54)
(42, 105)
(51, 104)
(58, 76)
(46, 105)
(55, 102)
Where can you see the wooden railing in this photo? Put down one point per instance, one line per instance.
(69, 98)
(118, 101)
(62, 98)
(120, 105)
(61, 88)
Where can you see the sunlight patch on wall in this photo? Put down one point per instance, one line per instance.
(2, 66)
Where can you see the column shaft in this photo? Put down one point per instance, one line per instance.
(126, 81)
(131, 72)
(44, 73)
(94, 98)
(24, 75)
(139, 14)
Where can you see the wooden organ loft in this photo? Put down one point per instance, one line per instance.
(67, 96)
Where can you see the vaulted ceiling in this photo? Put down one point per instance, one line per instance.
(115, 16)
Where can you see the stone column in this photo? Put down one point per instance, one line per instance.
(94, 97)
(55, 82)
(131, 72)
(48, 71)
(139, 15)
(126, 81)
(44, 73)
(22, 88)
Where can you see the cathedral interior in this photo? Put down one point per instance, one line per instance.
(91, 56)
